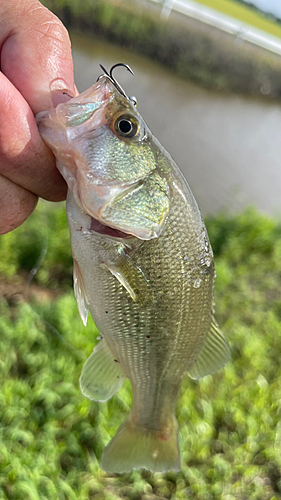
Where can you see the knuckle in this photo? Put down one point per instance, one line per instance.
(43, 25)
(53, 29)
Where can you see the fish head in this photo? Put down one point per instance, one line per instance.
(116, 170)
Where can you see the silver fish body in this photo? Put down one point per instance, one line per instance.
(143, 267)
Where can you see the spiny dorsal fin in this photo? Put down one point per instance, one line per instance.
(101, 376)
(214, 354)
(80, 292)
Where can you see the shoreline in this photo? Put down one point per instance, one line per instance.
(203, 55)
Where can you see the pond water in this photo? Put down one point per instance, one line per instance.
(228, 146)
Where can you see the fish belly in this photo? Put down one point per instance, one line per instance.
(155, 340)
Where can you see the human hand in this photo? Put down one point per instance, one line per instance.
(36, 74)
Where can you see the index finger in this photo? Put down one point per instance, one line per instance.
(35, 52)
(35, 62)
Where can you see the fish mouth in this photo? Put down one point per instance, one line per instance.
(100, 228)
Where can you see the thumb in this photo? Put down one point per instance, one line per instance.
(35, 53)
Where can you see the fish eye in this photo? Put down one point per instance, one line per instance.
(126, 126)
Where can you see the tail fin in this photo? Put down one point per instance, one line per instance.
(135, 447)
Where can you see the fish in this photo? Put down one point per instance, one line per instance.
(143, 267)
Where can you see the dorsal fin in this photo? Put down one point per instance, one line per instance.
(214, 354)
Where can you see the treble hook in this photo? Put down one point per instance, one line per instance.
(115, 83)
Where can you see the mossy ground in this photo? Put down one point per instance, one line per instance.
(52, 437)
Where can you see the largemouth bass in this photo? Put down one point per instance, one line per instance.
(143, 267)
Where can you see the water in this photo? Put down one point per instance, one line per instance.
(228, 146)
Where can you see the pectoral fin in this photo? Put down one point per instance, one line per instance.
(101, 376)
(80, 292)
(131, 278)
(214, 354)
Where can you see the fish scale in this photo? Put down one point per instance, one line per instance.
(143, 267)
(180, 318)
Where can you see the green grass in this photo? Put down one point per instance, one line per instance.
(246, 14)
(52, 437)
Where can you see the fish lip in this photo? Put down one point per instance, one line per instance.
(100, 228)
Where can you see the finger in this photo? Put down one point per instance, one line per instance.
(16, 204)
(36, 52)
(24, 158)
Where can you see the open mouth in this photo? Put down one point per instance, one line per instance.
(100, 228)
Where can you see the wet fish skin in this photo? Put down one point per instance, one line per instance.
(134, 198)
(148, 287)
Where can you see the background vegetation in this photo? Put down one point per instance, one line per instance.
(230, 432)
(206, 56)
(52, 437)
(246, 13)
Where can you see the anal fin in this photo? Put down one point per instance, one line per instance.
(214, 354)
(101, 375)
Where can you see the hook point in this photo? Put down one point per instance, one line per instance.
(111, 77)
